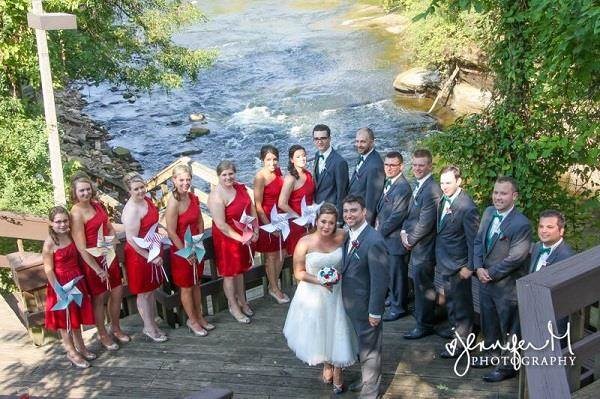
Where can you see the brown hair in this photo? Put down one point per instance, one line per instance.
(81, 177)
(131, 178)
(423, 153)
(177, 170)
(452, 168)
(57, 210)
(328, 209)
(509, 179)
(225, 165)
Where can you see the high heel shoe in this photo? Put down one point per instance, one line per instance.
(157, 338)
(112, 347)
(198, 333)
(247, 310)
(83, 364)
(208, 326)
(87, 355)
(280, 301)
(241, 318)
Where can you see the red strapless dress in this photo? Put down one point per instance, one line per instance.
(141, 275)
(297, 232)
(266, 241)
(66, 268)
(96, 285)
(231, 257)
(181, 270)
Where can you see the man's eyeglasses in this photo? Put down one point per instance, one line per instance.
(320, 138)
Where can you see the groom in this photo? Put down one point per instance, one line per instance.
(365, 279)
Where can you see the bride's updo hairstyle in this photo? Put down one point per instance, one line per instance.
(328, 209)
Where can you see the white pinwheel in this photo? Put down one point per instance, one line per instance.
(279, 222)
(308, 213)
(152, 241)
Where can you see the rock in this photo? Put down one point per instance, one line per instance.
(114, 88)
(197, 117)
(132, 99)
(197, 131)
(174, 123)
(135, 165)
(417, 80)
(468, 99)
(186, 153)
(127, 95)
(122, 152)
(105, 159)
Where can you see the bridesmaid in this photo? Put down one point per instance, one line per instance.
(88, 216)
(297, 184)
(61, 264)
(143, 277)
(227, 202)
(267, 186)
(183, 211)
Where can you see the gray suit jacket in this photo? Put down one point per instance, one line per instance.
(421, 221)
(562, 252)
(365, 275)
(507, 259)
(456, 234)
(331, 185)
(392, 210)
(368, 183)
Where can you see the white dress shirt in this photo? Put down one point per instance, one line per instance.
(448, 204)
(358, 165)
(495, 228)
(420, 181)
(543, 258)
(392, 181)
(324, 159)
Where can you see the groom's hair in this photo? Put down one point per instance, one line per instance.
(355, 198)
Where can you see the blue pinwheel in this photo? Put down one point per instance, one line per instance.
(193, 245)
(66, 294)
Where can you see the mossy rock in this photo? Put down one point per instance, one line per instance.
(197, 131)
(121, 152)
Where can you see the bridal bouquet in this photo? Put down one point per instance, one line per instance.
(328, 276)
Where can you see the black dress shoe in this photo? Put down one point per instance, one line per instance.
(446, 332)
(391, 316)
(500, 375)
(417, 333)
(356, 386)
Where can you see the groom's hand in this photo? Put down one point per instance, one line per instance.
(374, 322)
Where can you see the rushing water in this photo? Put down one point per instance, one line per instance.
(282, 68)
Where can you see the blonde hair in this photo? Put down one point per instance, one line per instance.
(132, 177)
(81, 177)
(177, 170)
(57, 210)
(225, 165)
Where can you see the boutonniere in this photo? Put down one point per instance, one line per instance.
(355, 245)
(449, 211)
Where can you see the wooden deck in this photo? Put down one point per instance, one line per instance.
(252, 360)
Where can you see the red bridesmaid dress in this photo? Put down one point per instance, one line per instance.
(96, 285)
(181, 270)
(141, 275)
(232, 258)
(66, 268)
(297, 232)
(266, 241)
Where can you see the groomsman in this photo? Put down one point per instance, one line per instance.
(331, 170)
(392, 210)
(418, 237)
(551, 249)
(500, 257)
(457, 224)
(367, 177)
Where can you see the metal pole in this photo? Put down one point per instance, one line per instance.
(50, 111)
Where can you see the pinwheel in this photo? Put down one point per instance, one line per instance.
(153, 241)
(308, 214)
(279, 222)
(193, 245)
(246, 224)
(104, 248)
(66, 294)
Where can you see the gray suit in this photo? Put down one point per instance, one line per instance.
(454, 249)
(420, 226)
(332, 184)
(392, 210)
(365, 278)
(368, 183)
(505, 261)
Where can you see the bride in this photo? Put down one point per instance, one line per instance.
(317, 328)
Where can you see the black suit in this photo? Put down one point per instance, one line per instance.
(392, 210)
(331, 185)
(505, 259)
(454, 249)
(368, 183)
(420, 226)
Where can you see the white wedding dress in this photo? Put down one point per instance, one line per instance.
(317, 328)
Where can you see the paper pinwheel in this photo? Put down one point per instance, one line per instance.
(104, 247)
(193, 245)
(309, 213)
(65, 295)
(246, 224)
(279, 222)
(152, 241)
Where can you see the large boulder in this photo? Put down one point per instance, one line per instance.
(197, 131)
(197, 117)
(121, 153)
(467, 99)
(417, 80)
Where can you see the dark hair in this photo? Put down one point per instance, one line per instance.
(81, 177)
(322, 128)
(291, 168)
(423, 153)
(368, 131)
(552, 213)
(355, 198)
(57, 210)
(509, 179)
(225, 165)
(395, 154)
(451, 168)
(268, 149)
(328, 209)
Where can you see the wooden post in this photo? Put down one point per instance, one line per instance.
(41, 22)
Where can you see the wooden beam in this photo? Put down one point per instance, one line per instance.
(51, 21)
(15, 225)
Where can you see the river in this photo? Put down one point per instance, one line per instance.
(283, 66)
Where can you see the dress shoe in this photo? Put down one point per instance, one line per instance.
(445, 332)
(417, 333)
(387, 303)
(356, 386)
(500, 375)
(391, 316)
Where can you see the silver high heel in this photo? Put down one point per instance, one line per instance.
(198, 333)
(241, 319)
(158, 338)
(79, 364)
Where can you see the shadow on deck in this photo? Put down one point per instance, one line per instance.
(252, 360)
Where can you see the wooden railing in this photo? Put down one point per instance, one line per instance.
(568, 288)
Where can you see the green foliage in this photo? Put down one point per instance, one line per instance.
(543, 124)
